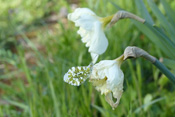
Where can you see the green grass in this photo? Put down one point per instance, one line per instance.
(38, 89)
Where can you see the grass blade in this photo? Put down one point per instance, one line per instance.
(162, 19)
(169, 11)
(18, 104)
(155, 37)
(169, 62)
(150, 103)
(143, 11)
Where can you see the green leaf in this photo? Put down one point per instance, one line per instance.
(169, 62)
(143, 11)
(148, 104)
(162, 19)
(156, 37)
(163, 80)
(169, 11)
(115, 5)
(18, 104)
(102, 110)
(155, 34)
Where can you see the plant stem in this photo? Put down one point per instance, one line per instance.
(135, 52)
(164, 70)
(124, 14)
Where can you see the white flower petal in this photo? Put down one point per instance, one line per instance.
(115, 77)
(110, 100)
(86, 22)
(78, 12)
(90, 30)
(108, 78)
(86, 39)
(82, 32)
(99, 40)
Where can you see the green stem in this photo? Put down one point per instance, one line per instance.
(135, 52)
(164, 70)
(106, 20)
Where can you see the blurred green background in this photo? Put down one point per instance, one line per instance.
(38, 45)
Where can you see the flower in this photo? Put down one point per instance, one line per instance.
(108, 78)
(91, 30)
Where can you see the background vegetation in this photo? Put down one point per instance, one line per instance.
(38, 45)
